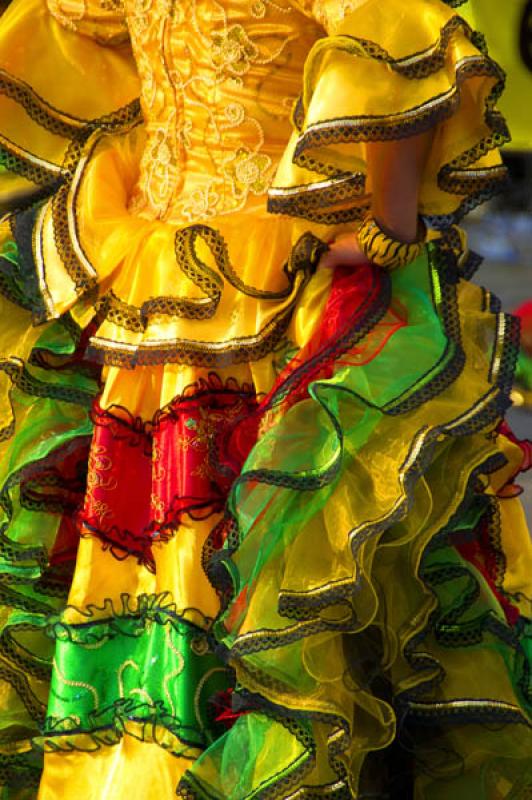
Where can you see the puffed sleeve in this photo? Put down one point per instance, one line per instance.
(385, 70)
(66, 71)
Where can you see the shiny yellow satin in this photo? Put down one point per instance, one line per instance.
(132, 769)
(395, 92)
(211, 141)
(208, 157)
(58, 64)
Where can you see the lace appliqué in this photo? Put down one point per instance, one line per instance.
(192, 107)
(151, 23)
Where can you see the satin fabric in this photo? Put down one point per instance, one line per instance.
(156, 258)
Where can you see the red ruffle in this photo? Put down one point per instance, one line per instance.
(485, 555)
(511, 488)
(143, 477)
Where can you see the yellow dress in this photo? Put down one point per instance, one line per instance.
(260, 534)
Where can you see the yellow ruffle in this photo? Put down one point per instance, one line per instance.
(51, 101)
(389, 70)
(132, 769)
(373, 488)
(201, 294)
(371, 493)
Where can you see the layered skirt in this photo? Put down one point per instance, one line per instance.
(306, 574)
(260, 527)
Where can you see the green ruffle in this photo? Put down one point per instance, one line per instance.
(146, 671)
(405, 576)
(49, 421)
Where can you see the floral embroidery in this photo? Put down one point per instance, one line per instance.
(100, 477)
(202, 202)
(162, 162)
(233, 50)
(102, 20)
(159, 472)
(162, 173)
(188, 105)
(248, 171)
(235, 114)
(158, 507)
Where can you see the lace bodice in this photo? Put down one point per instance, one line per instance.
(219, 80)
(218, 84)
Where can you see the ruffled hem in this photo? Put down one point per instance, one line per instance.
(80, 251)
(423, 451)
(47, 391)
(304, 663)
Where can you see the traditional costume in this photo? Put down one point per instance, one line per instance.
(260, 536)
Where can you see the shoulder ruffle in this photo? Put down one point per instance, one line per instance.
(380, 76)
(51, 103)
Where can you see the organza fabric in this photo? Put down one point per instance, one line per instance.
(259, 518)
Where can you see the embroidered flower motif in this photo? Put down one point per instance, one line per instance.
(140, 16)
(162, 174)
(101, 510)
(258, 9)
(158, 507)
(234, 114)
(248, 171)
(185, 133)
(199, 645)
(159, 473)
(201, 203)
(233, 51)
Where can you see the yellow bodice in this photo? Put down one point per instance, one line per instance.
(157, 216)
(218, 82)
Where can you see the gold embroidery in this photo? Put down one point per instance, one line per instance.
(99, 463)
(188, 105)
(120, 674)
(143, 693)
(158, 507)
(159, 473)
(248, 172)
(201, 683)
(202, 203)
(151, 22)
(80, 684)
(101, 19)
(233, 51)
(259, 8)
(177, 671)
